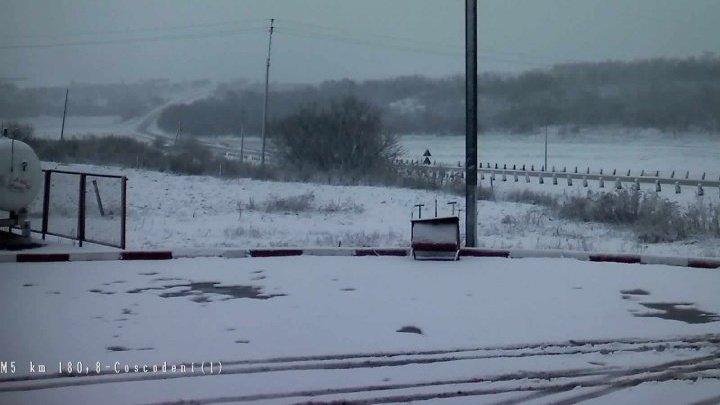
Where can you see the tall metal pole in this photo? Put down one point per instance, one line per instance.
(62, 129)
(470, 122)
(242, 143)
(267, 77)
(545, 149)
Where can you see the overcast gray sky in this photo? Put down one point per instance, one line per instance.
(59, 41)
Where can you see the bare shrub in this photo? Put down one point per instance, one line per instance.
(621, 207)
(360, 239)
(485, 193)
(531, 197)
(660, 220)
(346, 205)
(238, 232)
(653, 218)
(300, 203)
(293, 204)
(703, 219)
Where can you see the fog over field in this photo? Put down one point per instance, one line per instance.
(57, 43)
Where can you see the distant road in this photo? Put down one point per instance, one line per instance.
(228, 147)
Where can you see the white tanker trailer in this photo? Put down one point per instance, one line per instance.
(20, 181)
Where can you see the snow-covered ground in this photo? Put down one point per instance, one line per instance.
(287, 330)
(607, 149)
(598, 148)
(166, 210)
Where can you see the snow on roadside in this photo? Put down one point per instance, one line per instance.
(167, 211)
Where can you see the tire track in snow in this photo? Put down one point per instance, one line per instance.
(379, 359)
(681, 367)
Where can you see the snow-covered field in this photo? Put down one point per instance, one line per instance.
(601, 148)
(621, 149)
(288, 330)
(166, 210)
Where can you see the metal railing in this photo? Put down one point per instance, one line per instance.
(65, 210)
(526, 171)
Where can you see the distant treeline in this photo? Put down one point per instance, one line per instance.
(120, 99)
(667, 94)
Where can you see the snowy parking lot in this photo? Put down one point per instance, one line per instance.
(370, 329)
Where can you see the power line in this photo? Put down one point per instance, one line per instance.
(411, 41)
(300, 33)
(318, 29)
(365, 42)
(136, 40)
(137, 31)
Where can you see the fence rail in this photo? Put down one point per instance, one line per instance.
(516, 172)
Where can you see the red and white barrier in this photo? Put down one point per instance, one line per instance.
(10, 257)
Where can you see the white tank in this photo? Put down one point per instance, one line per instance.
(20, 175)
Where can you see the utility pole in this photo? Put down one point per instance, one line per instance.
(242, 143)
(470, 122)
(546, 167)
(267, 77)
(177, 133)
(62, 128)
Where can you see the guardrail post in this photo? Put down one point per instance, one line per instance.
(527, 178)
(658, 188)
(637, 184)
(554, 178)
(602, 183)
(700, 191)
(569, 179)
(46, 203)
(677, 187)
(585, 183)
(81, 211)
(618, 184)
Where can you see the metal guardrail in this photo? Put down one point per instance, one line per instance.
(613, 176)
(605, 177)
